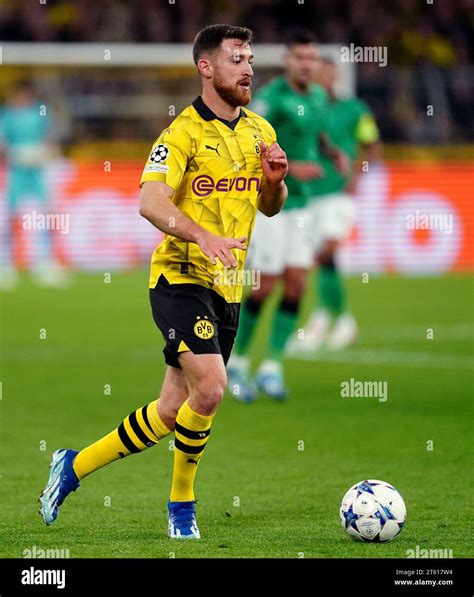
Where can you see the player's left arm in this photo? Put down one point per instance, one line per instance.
(273, 192)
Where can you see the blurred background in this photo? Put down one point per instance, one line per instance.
(113, 74)
(107, 77)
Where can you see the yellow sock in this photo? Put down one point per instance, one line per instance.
(140, 430)
(191, 435)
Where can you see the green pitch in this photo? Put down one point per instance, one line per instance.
(273, 475)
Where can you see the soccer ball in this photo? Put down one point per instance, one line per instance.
(373, 511)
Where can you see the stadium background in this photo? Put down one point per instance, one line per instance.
(111, 112)
(106, 115)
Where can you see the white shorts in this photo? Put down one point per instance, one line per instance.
(332, 218)
(280, 242)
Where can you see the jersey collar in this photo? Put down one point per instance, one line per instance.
(207, 114)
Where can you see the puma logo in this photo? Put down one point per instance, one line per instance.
(216, 149)
(192, 461)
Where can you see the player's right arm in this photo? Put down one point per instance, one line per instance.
(157, 207)
(162, 175)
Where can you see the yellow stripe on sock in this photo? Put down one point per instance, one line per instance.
(144, 427)
(132, 435)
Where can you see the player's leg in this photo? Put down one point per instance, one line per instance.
(336, 218)
(345, 330)
(329, 281)
(45, 268)
(142, 429)
(251, 311)
(270, 375)
(172, 396)
(298, 255)
(330, 297)
(206, 376)
(315, 332)
(193, 321)
(266, 257)
(238, 368)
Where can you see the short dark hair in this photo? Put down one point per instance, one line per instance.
(299, 35)
(211, 37)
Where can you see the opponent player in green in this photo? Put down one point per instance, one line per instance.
(351, 127)
(282, 246)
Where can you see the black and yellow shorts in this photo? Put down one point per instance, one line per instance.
(191, 317)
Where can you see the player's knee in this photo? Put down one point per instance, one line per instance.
(209, 392)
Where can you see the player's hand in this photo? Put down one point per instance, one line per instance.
(219, 247)
(274, 163)
(306, 170)
(342, 163)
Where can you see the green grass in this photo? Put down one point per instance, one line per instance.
(97, 334)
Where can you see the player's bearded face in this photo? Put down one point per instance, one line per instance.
(234, 92)
(232, 72)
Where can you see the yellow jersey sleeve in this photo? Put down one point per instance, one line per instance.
(169, 158)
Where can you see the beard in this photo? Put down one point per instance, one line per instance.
(233, 95)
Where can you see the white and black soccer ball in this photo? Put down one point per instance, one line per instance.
(159, 154)
(373, 511)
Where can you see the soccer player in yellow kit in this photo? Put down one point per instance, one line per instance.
(205, 178)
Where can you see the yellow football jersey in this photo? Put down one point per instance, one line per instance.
(214, 167)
